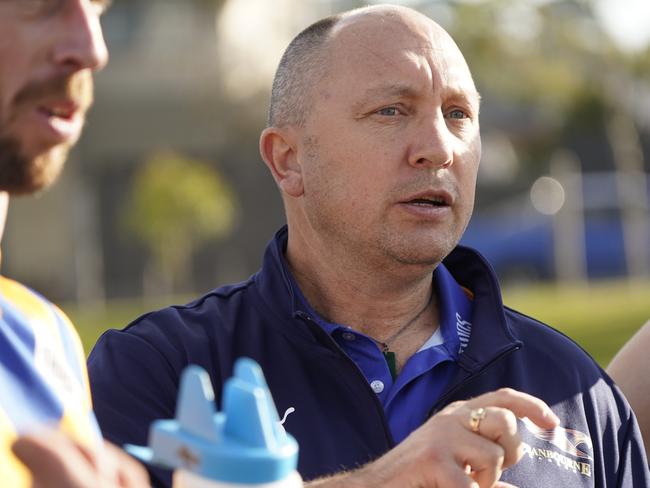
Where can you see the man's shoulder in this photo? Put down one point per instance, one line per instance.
(553, 354)
(539, 335)
(27, 301)
(213, 314)
(35, 311)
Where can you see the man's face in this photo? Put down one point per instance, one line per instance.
(48, 51)
(391, 149)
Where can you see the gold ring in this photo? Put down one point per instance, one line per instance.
(475, 417)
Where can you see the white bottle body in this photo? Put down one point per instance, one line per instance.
(187, 479)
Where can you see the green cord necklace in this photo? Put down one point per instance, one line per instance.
(384, 345)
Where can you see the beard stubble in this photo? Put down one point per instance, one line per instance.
(23, 174)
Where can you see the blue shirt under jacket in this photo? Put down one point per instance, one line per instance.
(338, 419)
(408, 398)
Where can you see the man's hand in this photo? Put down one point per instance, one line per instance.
(56, 461)
(453, 451)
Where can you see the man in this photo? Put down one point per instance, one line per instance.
(372, 327)
(630, 368)
(48, 52)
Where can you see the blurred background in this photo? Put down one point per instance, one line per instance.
(166, 196)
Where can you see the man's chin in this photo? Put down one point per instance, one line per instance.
(23, 174)
(421, 247)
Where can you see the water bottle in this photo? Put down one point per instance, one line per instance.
(243, 446)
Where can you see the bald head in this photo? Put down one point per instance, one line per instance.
(306, 60)
(371, 110)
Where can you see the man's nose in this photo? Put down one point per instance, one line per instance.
(434, 144)
(81, 43)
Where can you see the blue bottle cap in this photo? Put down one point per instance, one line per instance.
(244, 443)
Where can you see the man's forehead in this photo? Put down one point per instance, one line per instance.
(408, 89)
(392, 33)
(398, 54)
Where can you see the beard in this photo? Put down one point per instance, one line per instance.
(21, 173)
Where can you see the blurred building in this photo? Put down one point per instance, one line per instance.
(161, 90)
(193, 76)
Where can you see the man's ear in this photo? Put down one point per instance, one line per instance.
(278, 150)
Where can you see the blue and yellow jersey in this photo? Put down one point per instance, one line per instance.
(43, 378)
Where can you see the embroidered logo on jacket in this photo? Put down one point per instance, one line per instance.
(289, 410)
(464, 330)
(570, 441)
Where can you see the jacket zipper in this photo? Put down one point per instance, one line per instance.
(332, 345)
(443, 400)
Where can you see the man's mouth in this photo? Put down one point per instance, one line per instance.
(428, 202)
(430, 198)
(63, 110)
(63, 120)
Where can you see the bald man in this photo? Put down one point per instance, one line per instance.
(386, 344)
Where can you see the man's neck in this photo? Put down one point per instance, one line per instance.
(368, 297)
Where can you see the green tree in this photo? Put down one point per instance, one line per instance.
(555, 63)
(176, 205)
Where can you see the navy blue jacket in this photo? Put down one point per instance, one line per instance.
(338, 420)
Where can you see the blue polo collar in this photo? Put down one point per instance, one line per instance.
(454, 305)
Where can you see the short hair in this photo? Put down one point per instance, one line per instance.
(302, 65)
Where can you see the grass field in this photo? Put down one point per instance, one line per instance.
(600, 317)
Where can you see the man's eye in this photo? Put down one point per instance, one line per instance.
(389, 111)
(457, 114)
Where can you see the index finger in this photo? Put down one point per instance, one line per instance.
(519, 403)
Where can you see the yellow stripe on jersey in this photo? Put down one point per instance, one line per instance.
(27, 302)
(52, 361)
